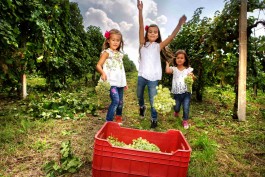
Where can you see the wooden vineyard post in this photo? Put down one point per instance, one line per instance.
(241, 112)
(24, 86)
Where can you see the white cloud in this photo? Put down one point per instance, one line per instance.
(125, 26)
(161, 20)
(149, 21)
(120, 9)
(163, 33)
(97, 17)
(152, 8)
(122, 15)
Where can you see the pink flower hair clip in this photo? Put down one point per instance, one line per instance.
(146, 28)
(107, 34)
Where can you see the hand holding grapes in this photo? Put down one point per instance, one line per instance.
(104, 76)
(192, 75)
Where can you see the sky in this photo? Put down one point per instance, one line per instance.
(123, 15)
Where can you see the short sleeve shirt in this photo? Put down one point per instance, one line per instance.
(114, 69)
(178, 84)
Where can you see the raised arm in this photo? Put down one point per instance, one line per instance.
(164, 43)
(141, 22)
(100, 63)
(168, 70)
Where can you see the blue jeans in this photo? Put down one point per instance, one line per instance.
(116, 96)
(142, 82)
(184, 100)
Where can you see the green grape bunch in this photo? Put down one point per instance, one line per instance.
(102, 91)
(189, 81)
(115, 142)
(143, 144)
(102, 88)
(139, 144)
(163, 102)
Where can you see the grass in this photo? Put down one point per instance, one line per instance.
(220, 145)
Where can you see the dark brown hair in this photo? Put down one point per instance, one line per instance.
(165, 53)
(186, 63)
(158, 40)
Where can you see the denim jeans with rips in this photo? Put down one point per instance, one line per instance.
(116, 96)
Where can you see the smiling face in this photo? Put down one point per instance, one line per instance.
(114, 41)
(180, 60)
(152, 33)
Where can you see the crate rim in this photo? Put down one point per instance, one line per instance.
(131, 149)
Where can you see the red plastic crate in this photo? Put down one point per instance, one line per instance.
(112, 161)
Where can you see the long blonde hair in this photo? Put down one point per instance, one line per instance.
(106, 43)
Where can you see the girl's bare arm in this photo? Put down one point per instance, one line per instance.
(164, 43)
(100, 63)
(168, 70)
(141, 22)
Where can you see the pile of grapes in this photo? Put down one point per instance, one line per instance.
(102, 91)
(163, 102)
(139, 143)
(189, 81)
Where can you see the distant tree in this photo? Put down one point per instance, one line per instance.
(45, 37)
(96, 39)
(212, 45)
(129, 65)
(21, 40)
